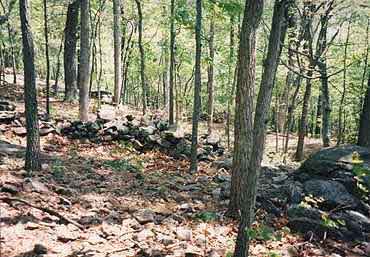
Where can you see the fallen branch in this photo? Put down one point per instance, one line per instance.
(44, 209)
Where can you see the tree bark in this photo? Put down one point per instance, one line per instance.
(47, 59)
(197, 87)
(251, 168)
(172, 63)
(33, 162)
(210, 81)
(70, 46)
(84, 79)
(307, 48)
(117, 51)
(344, 92)
(145, 91)
(364, 131)
(318, 116)
(244, 104)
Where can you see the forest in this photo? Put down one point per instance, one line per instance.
(184, 128)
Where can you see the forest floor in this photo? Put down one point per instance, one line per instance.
(125, 203)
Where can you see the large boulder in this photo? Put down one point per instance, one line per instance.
(329, 161)
(332, 193)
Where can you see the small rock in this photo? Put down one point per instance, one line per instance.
(184, 234)
(131, 223)
(36, 186)
(40, 249)
(10, 188)
(213, 140)
(20, 131)
(216, 193)
(31, 226)
(166, 240)
(144, 235)
(144, 216)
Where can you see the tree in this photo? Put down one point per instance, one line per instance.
(252, 164)
(33, 161)
(197, 87)
(84, 72)
(145, 90)
(364, 131)
(172, 63)
(244, 99)
(46, 35)
(117, 50)
(70, 45)
(210, 72)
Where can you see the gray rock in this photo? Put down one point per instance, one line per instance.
(327, 162)
(144, 216)
(295, 192)
(226, 164)
(146, 131)
(333, 193)
(213, 140)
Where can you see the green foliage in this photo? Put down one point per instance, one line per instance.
(362, 177)
(206, 216)
(273, 254)
(264, 233)
(58, 170)
(331, 223)
(122, 165)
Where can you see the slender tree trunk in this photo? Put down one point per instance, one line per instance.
(290, 116)
(366, 62)
(251, 169)
(317, 131)
(364, 131)
(117, 51)
(231, 81)
(244, 108)
(210, 73)
(46, 34)
(172, 63)
(33, 162)
(84, 80)
(57, 72)
(344, 92)
(70, 46)
(302, 129)
(197, 87)
(165, 78)
(145, 96)
(326, 110)
(308, 48)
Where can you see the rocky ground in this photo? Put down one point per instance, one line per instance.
(120, 186)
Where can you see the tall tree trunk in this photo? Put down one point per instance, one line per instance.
(70, 46)
(172, 63)
(244, 106)
(46, 35)
(364, 131)
(251, 168)
(326, 109)
(117, 50)
(344, 92)
(197, 88)
(33, 162)
(210, 73)
(302, 129)
(317, 131)
(84, 79)
(145, 91)
(307, 48)
(57, 72)
(231, 81)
